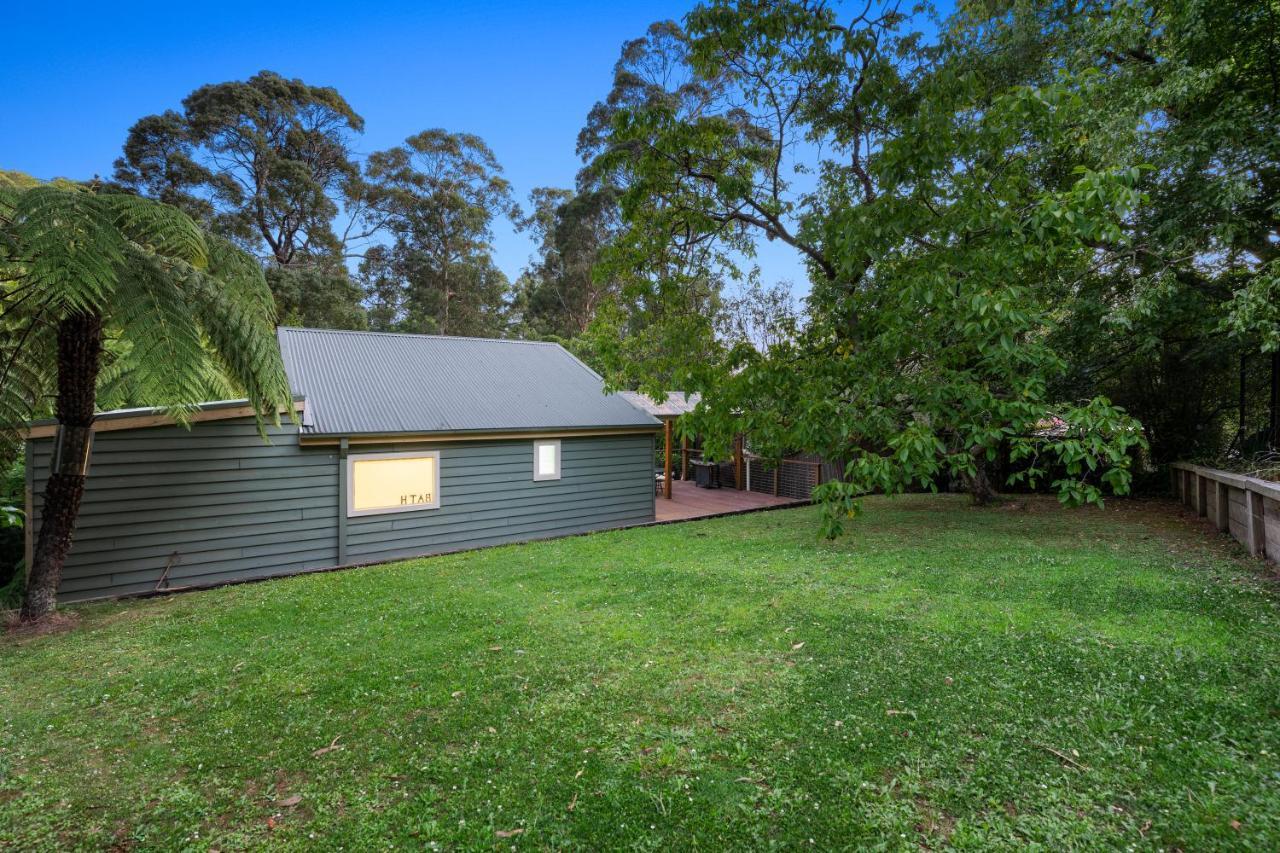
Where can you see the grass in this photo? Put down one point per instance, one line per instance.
(942, 676)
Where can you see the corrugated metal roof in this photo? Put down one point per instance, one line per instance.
(676, 404)
(361, 383)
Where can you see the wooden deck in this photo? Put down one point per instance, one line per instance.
(688, 501)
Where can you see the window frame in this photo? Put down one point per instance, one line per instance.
(555, 475)
(353, 458)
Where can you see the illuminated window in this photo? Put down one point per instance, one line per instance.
(393, 482)
(546, 460)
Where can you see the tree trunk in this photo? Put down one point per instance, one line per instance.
(1242, 433)
(980, 488)
(1274, 437)
(79, 359)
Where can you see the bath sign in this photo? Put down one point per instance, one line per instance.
(393, 482)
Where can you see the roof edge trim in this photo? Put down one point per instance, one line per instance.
(119, 419)
(476, 435)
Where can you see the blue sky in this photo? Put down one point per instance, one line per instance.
(522, 76)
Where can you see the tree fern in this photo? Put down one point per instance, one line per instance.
(181, 314)
(156, 230)
(191, 314)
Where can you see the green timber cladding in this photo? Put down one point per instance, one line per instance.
(167, 507)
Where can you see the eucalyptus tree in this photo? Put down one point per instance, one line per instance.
(938, 250)
(559, 294)
(441, 193)
(660, 314)
(268, 163)
(81, 269)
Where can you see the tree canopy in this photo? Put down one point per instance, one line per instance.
(441, 192)
(965, 207)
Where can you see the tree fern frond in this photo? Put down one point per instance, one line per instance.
(69, 247)
(242, 277)
(244, 341)
(165, 353)
(8, 202)
(158, 228)
(28, 358)
(118, 386)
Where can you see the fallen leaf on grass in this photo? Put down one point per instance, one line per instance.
(508, 833)
(325, 750)
(797, 646)
(455, 694)
(1235, 824)
(290, 802)
(573, 803)
(495, 648)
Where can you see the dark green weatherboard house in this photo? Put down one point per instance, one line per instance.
(406, 445)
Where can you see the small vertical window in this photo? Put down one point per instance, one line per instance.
(546, 460)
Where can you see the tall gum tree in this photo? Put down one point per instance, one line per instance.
(268, 163)
(441, 192)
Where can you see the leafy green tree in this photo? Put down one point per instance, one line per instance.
(659, 316)
(80, 267)
(441, 192)
(559, 295)
(267, 163)
(1182, 312)
(317, 296)
(940, 252)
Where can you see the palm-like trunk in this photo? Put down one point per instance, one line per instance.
(79, 359)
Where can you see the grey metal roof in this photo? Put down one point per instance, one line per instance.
(363, 383)
(676, 404)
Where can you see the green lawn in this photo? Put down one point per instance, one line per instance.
(942, 675)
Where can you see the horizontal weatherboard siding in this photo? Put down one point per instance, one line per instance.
(488, 496)
(221, 505)
(216, 501)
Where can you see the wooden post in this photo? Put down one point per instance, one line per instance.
(684, 457)
(1223, 514)
(738, 482)
(1255, 524)
(1202, 496)
(343, 446)
(666, 459)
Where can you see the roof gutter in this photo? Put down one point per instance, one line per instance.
(474, 435)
